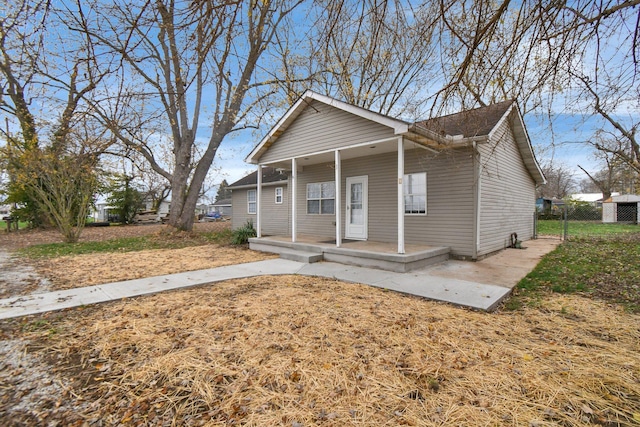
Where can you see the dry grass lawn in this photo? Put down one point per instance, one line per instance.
(300, 351)
(94, 269)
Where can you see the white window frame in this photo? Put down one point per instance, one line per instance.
(279, 195)
(321, 198)
(408, 178)
(252, 203)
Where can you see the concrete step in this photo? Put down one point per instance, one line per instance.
(300, 256)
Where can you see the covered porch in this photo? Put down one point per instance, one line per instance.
(351, 206)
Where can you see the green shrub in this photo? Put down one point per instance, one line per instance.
(242, 235)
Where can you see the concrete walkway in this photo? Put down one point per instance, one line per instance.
(457, 282)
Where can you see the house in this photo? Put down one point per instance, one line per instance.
(594, 199)
(103, 212)
(5, 211)
(223, 207)
(460, 184)
(548, 207)
(621, 208)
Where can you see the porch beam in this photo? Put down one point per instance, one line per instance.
(294, 185)
(338, 201)
(400, 195)
(259, 202)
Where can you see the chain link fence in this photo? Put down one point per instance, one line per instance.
(582, 219)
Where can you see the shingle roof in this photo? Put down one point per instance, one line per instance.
(223, 202)
(269, 174)
(476, 122)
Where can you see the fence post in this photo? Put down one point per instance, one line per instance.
(566, 224)
(535, 225)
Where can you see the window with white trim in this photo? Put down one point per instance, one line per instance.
(415, 193)
(279, 195)
(321, 198)
(251, 202)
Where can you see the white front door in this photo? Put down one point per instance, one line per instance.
(356, 214)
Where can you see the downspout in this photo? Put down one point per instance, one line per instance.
(476, 200)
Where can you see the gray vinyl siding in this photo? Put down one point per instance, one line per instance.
(275, 218)
(507, 193)
(322, 127)
(450, 208)
(382, 172)
(239, 203)
(313, 224)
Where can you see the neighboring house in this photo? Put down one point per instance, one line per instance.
(549, 207)
(223, 207)
(594, 199)
(621, 208)
(103, 212)
(163, 208)
(464, 181)
(5, 210)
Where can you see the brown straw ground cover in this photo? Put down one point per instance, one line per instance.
(52, 273)
(299, 351)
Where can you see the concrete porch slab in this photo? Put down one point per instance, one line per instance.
(363, 254)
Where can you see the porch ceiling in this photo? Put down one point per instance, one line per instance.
(364, 150)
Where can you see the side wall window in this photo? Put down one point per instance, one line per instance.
(321, 198)
(251, 202)
(415, 194)
(279, 195)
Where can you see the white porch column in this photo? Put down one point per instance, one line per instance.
(294, 182)
(400, 195)
(258, 201)
(338, 202)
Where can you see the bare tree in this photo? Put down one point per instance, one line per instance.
(560, 181)
(53, 147)
(615, 174)
(185, 62)
(528, 50)
(376, 54)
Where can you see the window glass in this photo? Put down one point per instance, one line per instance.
(251, 201)
(321, 198)
(415, 193)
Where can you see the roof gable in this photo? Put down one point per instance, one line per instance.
(397, 126)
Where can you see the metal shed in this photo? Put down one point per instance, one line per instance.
(623, 209)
